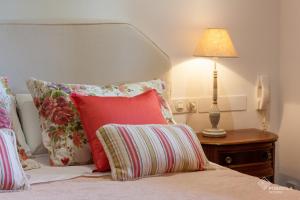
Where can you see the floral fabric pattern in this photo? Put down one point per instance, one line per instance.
(63, 134)
(5, 99)
(4, 119)
(26, 162)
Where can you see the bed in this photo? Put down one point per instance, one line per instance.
(113, 52)
(220, 184)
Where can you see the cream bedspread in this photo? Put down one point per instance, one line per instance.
(49, 173)
(220, 184)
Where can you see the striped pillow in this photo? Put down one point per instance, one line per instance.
(12, 176)
(136, 151)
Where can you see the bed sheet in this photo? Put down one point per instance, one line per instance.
(49, 173)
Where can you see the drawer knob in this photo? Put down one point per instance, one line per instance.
(228, 160)
(267, 156)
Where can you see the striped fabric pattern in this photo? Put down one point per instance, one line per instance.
(136, 151)
(12, 176)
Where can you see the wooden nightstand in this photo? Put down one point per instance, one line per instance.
(250, 151)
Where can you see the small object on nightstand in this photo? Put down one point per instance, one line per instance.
(214, 133)
(249, 151)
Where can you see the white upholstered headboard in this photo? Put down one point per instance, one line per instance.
(91, 53)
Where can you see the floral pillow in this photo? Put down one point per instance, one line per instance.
(63, 134)
(9, 120)
(26, 162)
(4, 107)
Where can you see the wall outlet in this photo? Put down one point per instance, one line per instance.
(184, 105)
(192, 105)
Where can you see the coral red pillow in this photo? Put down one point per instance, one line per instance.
(97, 111)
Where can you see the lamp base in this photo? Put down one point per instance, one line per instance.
(214, 132)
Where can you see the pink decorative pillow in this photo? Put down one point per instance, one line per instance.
(98, 111)
(12, 176)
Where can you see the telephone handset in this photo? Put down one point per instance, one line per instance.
(262, 93)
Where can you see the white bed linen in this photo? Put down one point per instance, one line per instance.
(31, 124)
(48, 173)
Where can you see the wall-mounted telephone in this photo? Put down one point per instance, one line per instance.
(262, 93)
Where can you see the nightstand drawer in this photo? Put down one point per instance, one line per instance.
(239, 158)
(249, 151)
(263, 169)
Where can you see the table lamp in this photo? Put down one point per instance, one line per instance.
(215, 43)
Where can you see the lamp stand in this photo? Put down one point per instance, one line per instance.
(214, 114)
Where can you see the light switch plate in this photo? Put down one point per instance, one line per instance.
(203, 104)
(225, 103)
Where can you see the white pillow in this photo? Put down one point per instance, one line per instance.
(30, 123)
(17, 126)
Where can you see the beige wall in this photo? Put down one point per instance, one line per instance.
(175, 25)
(289, 163)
